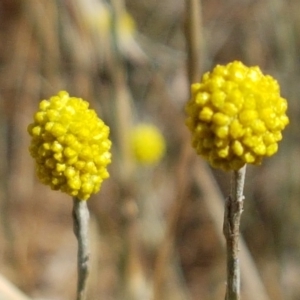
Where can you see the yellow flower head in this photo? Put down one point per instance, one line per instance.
(70, 145)
(236, 116)
(147, 144)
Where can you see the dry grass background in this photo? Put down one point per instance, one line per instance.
(155, 231)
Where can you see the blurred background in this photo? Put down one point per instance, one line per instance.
(156, 230)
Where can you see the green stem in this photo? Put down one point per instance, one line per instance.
(80, 226)
(231, 230)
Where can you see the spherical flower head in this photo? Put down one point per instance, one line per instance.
(70, 145)
(236, 116)
(147, 144)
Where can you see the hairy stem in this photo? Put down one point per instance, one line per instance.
(231, 230)
(81, 224)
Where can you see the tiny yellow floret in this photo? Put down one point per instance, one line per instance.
(148, 144)
(236, 116)
(70, 145)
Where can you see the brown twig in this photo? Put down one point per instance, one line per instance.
(193, 27)
(166, 249)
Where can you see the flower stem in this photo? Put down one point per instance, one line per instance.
(231, 231)
(80, 227)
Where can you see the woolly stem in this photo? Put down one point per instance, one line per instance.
(80, 227)
(231, 231)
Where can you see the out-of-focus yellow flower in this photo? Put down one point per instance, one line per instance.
(126, 25)
(99, 17)
(112, 29)
(147, 144)
(236, 116)
(70, 145)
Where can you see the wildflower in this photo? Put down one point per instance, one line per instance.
(236, 116)
(147, 144)
(70, 146)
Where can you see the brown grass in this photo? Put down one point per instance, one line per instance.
(151, 229)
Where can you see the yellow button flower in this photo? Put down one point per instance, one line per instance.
(147, 144)
(70, 145)
(236, 116)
